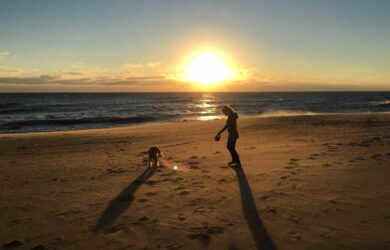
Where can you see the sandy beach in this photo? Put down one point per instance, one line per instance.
(306, 182)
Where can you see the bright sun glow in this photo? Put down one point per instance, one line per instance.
(207, 69)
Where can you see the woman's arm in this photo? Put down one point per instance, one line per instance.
(223, 129)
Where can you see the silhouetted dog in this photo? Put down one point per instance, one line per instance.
(154, 155)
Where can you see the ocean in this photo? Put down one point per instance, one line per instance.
(30, 112)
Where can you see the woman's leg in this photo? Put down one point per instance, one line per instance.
(231, 146)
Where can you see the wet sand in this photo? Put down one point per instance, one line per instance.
(306, 182)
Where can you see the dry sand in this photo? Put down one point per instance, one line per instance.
(306, 182)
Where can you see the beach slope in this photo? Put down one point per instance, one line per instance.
(306, 182)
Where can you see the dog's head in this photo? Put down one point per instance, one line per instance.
(160, 155)
(156, 151)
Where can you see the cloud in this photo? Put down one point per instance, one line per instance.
(141, 65)
(9, 71)
(71, 73)
(59, 78)
(4, 54)
(88, 77)
(94, 79)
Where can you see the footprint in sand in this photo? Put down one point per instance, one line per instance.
(194, 164)
(12, 244)
(117, 228)
(143, 219)
(177, 179)
(39, 247)
(294, 218)
(293, 163)
(332, 149)
(141, 153)
(264, 197)
(325, 235)
(204, 233)
(200, 210)
(151, 182)
(295, 172)
(376, 157)
(181, 217)
(155, 220)
(270, 209)
(126, 197)
(184, 193)
(222, 180)
(166, 174)
(293, 236)
(115, 171)
(142, 200)
(165, 179)
(151, 193)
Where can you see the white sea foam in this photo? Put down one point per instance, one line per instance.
(287, 113)
(384, 103)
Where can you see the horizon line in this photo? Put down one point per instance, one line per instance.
(184, 92)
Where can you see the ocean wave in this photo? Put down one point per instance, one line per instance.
(38, 109)
(269, 113)
(385, 103)
(8, 105)
(77, 121)
(50, 112)
(21, 110)
(178, 101)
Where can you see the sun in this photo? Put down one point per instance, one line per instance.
(207, 69)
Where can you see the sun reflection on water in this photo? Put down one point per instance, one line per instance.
(207, 107)
(209, 117)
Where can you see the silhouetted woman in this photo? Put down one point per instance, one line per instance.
(231, 126)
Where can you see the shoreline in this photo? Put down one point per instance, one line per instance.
(277, 114)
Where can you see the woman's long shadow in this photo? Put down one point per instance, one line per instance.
(259, 232)
(122, 201)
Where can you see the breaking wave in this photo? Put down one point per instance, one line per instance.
(270, 113)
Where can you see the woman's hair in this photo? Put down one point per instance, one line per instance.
(227, 109)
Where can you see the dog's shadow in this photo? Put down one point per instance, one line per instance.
(122, 201)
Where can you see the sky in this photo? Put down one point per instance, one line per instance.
(129, 45)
